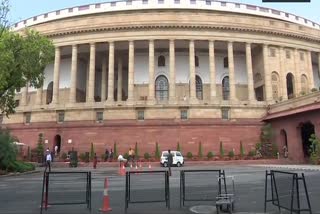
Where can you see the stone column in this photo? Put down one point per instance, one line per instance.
(297, 76)
(310, 71)
(251, 96)
(233, 96)
(131, 72)
(212, 68)
(151, 72)
(103, 79)
(56, 75)
(283, 75)
(267, 74)
(24, 95)
(111, 73)
(39, 96)
(119, 95)
(74, 68)
(319, 63)
(172, 75)
(92, 68)
(192, 70)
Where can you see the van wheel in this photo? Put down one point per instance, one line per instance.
(179, 164)
(165, 164)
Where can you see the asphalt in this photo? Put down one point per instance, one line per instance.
(22, 194)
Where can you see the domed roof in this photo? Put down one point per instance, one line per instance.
(129, 5)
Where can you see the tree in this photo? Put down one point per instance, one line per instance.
(23, 58)
(8, 150)
(242, 151)
(92, 152)
(115, 151)
(157, 153)
(221, 149)
(178, 147)
(136, 151)
(200, 150)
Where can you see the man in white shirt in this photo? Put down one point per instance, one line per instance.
(48, 160)
(121, 159)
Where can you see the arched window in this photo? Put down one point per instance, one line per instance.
(226, 62)
(225, 88)
(290, 85)
(161, 61)
(199, 88)
(196, 61)
(49, 92)
(275, 85)
(162, 88)
(304, 83)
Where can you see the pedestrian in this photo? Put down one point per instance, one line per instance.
(130, 155)
(121, 160)
(285, 151)
(56, 150)
(106, 157)
(95, 161)
(48, 160)
(111, 155)
(170, 160)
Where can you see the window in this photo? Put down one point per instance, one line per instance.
(301, 56)
(192, 1)
(160, 1)
(161, 61)
(61, 117)
(1, 118)
(184, 114)
(288, 55)
(208, 2)
(99, 116)
(237, 5)
(225, 113)
(162, 88)
(223, 4)
(196, 61)
(178, 154)
(275, 85)
(144, 1)
(70, 10)
(58, 12)
(113, 4)
(129, 2)
(225, 88)
(226, 62)
(304, 83)
(27, 117)
(177, 1)
(49, 92)
(141, 115)
(35, 18)
(199, 88)
(84, 7)
(16, 103)
(272, 52)
(46, 15)
(97, 5)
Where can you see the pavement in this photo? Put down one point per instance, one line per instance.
(22, 194)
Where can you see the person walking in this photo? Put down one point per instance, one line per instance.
(131, 154)
(111, 155)
(95, 161)
(106, 157)
(170, 160)
(48, 160)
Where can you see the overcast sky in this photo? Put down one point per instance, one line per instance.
(23, 9)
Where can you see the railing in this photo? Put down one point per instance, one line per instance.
(169, 4)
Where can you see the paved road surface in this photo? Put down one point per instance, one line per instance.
(22, 194)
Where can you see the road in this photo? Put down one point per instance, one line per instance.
(22, 194)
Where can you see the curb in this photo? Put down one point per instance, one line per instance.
(18, 173)
(289, 168)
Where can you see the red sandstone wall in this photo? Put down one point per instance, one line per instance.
(146, 133)
(291, 125)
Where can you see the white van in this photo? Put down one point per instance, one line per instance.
(176, 156)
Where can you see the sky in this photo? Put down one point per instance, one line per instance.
(23, 9)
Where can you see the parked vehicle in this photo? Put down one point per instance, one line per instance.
(176, 156)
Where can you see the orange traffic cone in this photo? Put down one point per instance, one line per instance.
(106, 201)
(122, 170)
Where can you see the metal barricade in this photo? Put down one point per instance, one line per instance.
(65, 188)
(147, 187)
(194, 185)
(287, 192)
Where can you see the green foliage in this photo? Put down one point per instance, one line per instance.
(115, 151)
(19, 166)
(189, 155)
(221, 149)
(200, 150)
(266, 147)
(252, 153)
(157, 153)
(64, 156)
(82, 157)
(126, 155)
(8, 151)
(136, 151)
(73, 159)
(23, 58)
(242, 151)
(275, 149)
(40, 147)
(29, 154)
(92, 152)
(210, 155)
(314, 149)
(231, 154)
(178, 147)
(147, 156)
